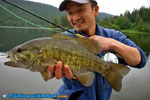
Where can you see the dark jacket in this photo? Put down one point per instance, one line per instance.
(100, 89)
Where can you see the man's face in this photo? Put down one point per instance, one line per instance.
(81, 16)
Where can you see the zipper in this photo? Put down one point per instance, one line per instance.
(103, 81)
(96, 87)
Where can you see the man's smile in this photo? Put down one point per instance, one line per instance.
(78, 23)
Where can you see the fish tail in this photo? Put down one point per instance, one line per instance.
(114, 74)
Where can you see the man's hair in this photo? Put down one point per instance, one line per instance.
(93, 4)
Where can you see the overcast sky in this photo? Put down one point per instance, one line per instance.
(115, 7)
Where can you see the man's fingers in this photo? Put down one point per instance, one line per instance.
(58, 70)
(51, 69)
(68, 72)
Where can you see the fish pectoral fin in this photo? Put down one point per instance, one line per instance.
(48, 62)
(45, 75)
(91, 44)
(86, 78)
(12, 64)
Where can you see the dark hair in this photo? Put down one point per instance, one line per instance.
(93, 4)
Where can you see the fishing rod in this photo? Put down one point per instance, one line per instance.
(37, 16)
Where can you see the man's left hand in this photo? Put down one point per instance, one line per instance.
(104, 42)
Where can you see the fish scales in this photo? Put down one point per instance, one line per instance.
(72, 54)
(78, 53)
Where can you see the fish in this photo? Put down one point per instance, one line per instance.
(79, 53)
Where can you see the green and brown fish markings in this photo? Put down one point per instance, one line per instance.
(78, 53)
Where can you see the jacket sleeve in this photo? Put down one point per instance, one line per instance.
(70, 90)
(122, 38)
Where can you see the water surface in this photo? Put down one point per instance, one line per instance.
(136, 85)
(18, 80)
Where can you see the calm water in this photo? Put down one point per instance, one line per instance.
(10, 38)
(14, 80)
(17, 80)
(136, 85)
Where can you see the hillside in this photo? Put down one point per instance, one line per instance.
(47, 11)
(103, 15)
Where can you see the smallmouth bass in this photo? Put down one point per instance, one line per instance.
(78, 53)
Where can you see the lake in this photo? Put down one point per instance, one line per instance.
(15, 80)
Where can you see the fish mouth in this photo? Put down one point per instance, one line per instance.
(16, 62)
(13, 57)
(13, 61)
(12, 64)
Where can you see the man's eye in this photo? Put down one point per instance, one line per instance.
(80, 9)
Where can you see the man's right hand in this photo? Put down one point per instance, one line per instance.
(58, 71)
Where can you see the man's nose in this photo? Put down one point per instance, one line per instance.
(76, 17)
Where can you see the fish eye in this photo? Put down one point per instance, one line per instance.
(19, 50)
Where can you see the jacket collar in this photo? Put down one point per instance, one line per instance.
(98, 31)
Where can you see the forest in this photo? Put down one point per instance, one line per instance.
(136, 21)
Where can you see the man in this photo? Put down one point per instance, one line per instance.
(81, 15)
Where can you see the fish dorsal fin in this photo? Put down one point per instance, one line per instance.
(62, 36)
(86, 78)
(91, 44)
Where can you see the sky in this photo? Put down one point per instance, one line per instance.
(115, 7)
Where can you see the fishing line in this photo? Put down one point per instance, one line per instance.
(37, 16)
(50, 29)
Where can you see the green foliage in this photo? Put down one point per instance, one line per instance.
(137, 20)
(56, 21)
(123, 22)
(64, 21)
(143, 26)
(46, 11)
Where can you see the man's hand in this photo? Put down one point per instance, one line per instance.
(58, 71)
(104, 42)
(130, 54)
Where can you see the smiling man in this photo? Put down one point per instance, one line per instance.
(81, 15)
